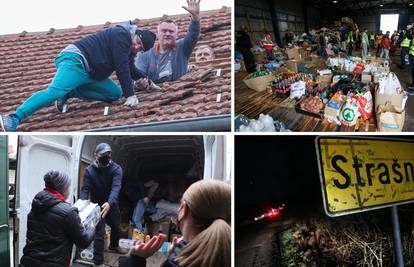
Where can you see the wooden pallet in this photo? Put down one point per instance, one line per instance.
(251, 103)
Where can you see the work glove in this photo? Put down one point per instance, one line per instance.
(131, 101)
(142, 83)
(153, 86)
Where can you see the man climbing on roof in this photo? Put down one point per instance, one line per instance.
(83, 70)
(168, 59)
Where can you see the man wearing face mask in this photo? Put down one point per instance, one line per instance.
(101, 184)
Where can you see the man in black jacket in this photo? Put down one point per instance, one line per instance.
(102, 183)
(244, 44)
(83, 70)
(53, 226)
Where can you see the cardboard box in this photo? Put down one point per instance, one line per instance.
(258, 84)
(390, 118)
(293, 53)
(292, 65)
(383, 69)
(379, 60)
(382, 99)
(366, 78)
(325, 77)
(333, 108)
(369, 59)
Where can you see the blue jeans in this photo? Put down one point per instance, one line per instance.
(71, 80)
(140, 208)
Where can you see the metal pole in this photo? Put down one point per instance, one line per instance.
(397, 237)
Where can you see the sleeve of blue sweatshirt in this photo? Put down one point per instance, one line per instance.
(116, 186)
(84, 193)
(120, 47)
(191, 38)
(135, 72)
(142, 62)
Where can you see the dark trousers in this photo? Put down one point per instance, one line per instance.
(113, 219)
(248, 60)
(404, 52)
(269, 54)
(350, 48)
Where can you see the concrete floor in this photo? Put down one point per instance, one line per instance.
(403, 75)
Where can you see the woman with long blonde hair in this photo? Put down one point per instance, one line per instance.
(204, 221)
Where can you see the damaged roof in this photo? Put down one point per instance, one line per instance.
(200, 100)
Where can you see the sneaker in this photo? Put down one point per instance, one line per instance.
(61, 105)
(9, 122)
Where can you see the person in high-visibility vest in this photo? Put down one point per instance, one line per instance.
(372, 39)
(405, 46)
(364, 43)
(411, 53)
(379, 42)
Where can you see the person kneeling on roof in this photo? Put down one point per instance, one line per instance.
(83, 70)
(168, 59)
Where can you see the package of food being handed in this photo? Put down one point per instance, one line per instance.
(89, 213)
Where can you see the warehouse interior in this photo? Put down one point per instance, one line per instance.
(300, 17)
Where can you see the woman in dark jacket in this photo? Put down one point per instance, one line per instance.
(53, 226)
(203, 220)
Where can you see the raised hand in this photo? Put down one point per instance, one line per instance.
(193, 8)
(149, 247)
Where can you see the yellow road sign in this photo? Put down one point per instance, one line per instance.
(359, 174)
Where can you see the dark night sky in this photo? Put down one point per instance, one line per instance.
(270, 170)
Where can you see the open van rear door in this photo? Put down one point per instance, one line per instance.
(37, 154)
(215, 154)
(4, 203)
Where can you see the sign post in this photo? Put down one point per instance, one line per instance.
(397, 237)
(360, 174)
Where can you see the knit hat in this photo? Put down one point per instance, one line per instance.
(147, 38)
(57, 180)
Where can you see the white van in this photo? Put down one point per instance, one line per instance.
(204, 156)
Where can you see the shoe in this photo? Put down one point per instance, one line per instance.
(99, 265)
(9, 122)
(61, 105)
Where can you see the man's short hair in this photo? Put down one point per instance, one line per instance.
(209, 48)
(167, 19)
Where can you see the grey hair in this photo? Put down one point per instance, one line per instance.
(209, 48)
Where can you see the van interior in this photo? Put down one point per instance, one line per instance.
(174, 162)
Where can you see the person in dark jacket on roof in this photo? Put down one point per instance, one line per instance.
(53, 226)
(101, 184)
(203, 219)
(168, 59)
(83, 70)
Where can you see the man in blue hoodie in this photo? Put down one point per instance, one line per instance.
(168, 59)
(101, 184)
(83, 70)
